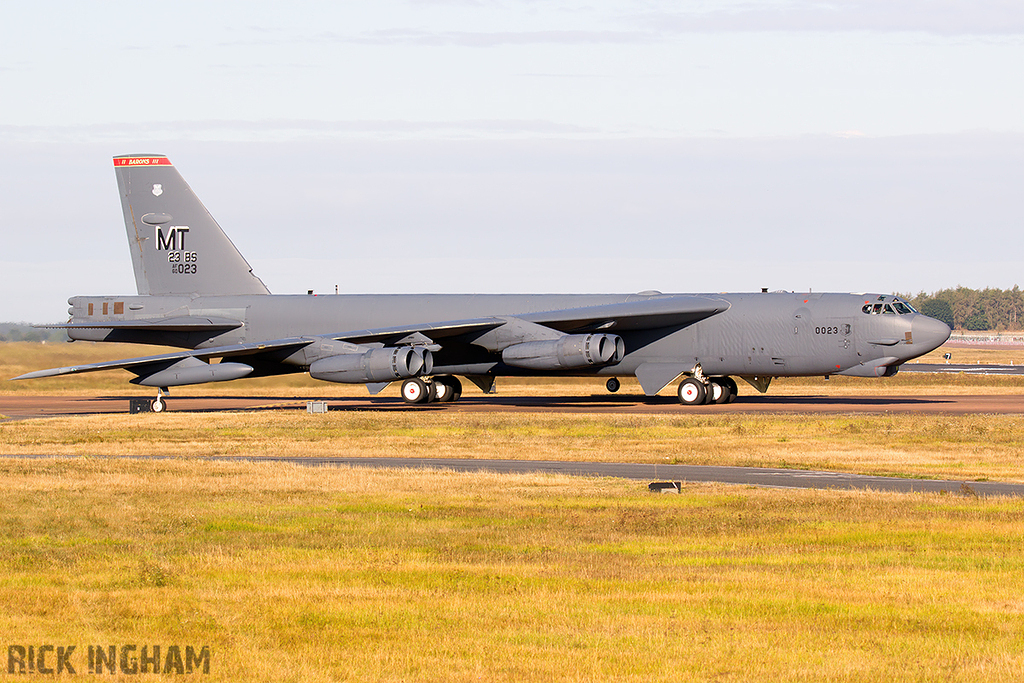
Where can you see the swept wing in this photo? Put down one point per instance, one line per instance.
(660, 312)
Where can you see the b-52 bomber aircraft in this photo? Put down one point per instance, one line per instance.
(197, 293)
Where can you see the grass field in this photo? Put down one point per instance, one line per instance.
(961, 447)
(289, 573)
(297, 574)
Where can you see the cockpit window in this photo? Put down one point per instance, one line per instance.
(896, 307)
(902, 308)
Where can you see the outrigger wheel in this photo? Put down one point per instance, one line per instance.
(159, 405)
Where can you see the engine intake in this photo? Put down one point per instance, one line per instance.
(566, 353)
(376, 365)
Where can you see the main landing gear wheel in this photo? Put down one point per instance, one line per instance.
(613, 385)
(692, 392)
(448, 389)
(417, 391)
(729, 389)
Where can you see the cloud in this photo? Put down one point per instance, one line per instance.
(291, 129)
(950, 18)
(665, 21)
(492, 38)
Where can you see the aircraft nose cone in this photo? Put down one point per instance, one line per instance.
(929, 332)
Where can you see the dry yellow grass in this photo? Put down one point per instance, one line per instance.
(294, 574)
(303, 574)
(968, 447)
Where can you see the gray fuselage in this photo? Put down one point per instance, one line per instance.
(759, 334)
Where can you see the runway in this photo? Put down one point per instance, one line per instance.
(958, 368)
(751, 476)
(18, 406)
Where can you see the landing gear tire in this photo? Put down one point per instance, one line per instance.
(417, 391)
(158, 405)
(692, 392)
(442, 392)
(730, 384)
(613, 385)
(448, 389)
(717, 393)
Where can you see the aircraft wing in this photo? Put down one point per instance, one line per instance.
(404, 334)
(164, 359)
(648, 313)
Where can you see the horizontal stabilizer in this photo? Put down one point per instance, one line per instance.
(179, 324)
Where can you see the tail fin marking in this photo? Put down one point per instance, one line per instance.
(177, 247)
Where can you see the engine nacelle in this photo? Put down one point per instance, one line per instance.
(374, 365)
(566, 353)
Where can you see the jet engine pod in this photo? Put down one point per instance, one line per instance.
(425, 358)
(567, 352)
(374, 365)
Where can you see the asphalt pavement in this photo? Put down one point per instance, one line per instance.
(750, 476)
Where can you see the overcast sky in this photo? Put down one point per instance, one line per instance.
(475, 146)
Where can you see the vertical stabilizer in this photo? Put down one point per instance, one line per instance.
(176, 245)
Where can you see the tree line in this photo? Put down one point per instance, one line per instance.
(15, 332)
(964, 308)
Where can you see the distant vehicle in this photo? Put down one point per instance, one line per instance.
(196, 292)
